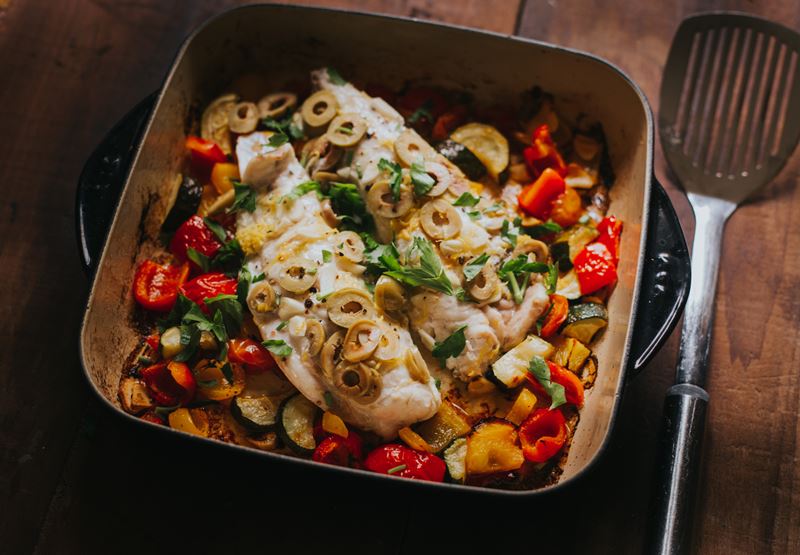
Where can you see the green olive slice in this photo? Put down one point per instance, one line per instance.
(440, 220)
(319, 109)
(243, 117)
(346, 130)
(277, 104)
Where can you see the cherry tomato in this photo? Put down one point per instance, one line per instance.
(204, 153)
(537, 199)
(610, 230)
(573, 388)
(155, 286)
(340, 451)
(250, 354)
(194, 234)
(567, 208)
(207, 286)
(559, 308)
(399, 460)
(543, 435)
(595, 268)
(170, 383)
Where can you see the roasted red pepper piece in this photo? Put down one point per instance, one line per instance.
(153, 340)
(194, 234)
(595, 268)
(573, 388)
(543, 435)
(543, 154)
(251, 355)
(610, 231)
(151, 416)
(170, 383)
(204, 153)
(340, 451)
(447, 122)
(537, 198)
(155, 286)
(567, 208)
(559, 308)
(399, 460)
(207, 286)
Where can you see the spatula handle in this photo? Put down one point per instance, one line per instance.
(678, 470)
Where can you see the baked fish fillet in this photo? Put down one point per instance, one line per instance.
(313, 306)
(493, 324)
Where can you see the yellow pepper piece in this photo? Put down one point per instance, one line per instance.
(192, 422)
(414, 440)
(334, 425)
(522, 407)
(221, 175)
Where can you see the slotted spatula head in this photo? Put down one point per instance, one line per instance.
(729, 114)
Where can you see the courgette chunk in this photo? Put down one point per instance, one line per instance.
(486, 143)
(585, 320)
(462, 157)
(455, 458)
(568, 286)
(257, 414)
(511, 368)
(447, 424)
(296, 417)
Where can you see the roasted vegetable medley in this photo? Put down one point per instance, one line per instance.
(406, 282)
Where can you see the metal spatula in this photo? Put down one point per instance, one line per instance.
(729, 120)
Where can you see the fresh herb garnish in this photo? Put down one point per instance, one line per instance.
(541, 371)
(422, 180)
(466, 199)
(326, 256)
(424, 111)
(395, 176)
(551, 281)
(509, 232)
(349, 206)
(165, 411)
(202, 261)
(335, 77)
(560, 253)
(244, 199)
(279, 138)
(284, 125)
(429, 273)
(474, 266)
(245, 280)
(520, 268)
(216, 229)
(452, 346)
(345, 130)
(229, 258)
(301, 190)
(278, 346)
(547, 228)
(230, 310)
(396, 469)
(282, 325)
(438, 383)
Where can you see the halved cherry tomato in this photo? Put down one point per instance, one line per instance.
(170, 383)
(399, 460)
(543, 154)
(204, 153)
(340, 451)
(155, 286)
(595, 268)
(250, 354)
(537, 198)
(207, 286)
(573, 388)
(610, 230)
(543, 435)
(559, 308)
(194, 234)
(567, 208)
(448, 121)
(222, 175)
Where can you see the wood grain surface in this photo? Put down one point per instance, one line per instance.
(74, 479)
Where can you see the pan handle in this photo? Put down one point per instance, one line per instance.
(102, 179)
(664, 288)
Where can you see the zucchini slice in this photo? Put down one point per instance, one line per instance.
(486, 143)
(257, 414)
(296, 417)
(493, 447)
(449, 423)
(455, 457)
(462, 157)
(568, 285)
(511, 368)
(585, 320)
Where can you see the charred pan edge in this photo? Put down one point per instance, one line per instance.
(624, 364)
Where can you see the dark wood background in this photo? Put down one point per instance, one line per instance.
(74, 479)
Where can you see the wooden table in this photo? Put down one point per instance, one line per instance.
(75, 480)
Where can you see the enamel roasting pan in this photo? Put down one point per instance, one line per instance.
(124, 191)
